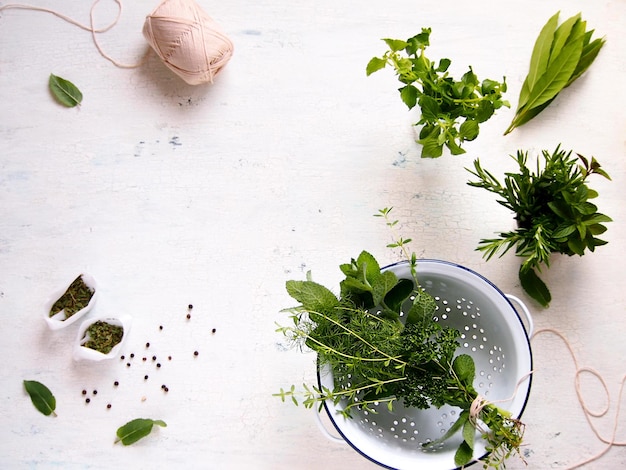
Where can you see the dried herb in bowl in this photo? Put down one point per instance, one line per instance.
(76, 297)
(103, 336)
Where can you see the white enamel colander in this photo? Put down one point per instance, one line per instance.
(492, 332)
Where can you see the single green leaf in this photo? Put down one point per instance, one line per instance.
(535, 287)
(375, 64)
(469, 434)
(458, 424)
(469, 129)
(311, 295)
(136, 429)
(400, 292)
(368, 267)
(395, 44)
(561, 35)
(589, 54)
(430, 147)
(464, 368)
(422, 309)
(64, 91)
(41, 396)
(463, 455)
(540, 57)
(409, 95)
(455, 149)
(382, 285)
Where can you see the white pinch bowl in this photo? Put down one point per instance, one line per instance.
(58, 321)
(81, 352)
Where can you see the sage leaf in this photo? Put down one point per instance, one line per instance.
(311, 295)
(136, 429)
(469, 434)
(535, 287)
(463, 455)
(64, 91)
(41, 396)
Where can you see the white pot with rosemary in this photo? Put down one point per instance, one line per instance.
(70, 304)
(101, 338)
(432, 374)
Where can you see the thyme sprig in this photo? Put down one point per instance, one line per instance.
(383, 346)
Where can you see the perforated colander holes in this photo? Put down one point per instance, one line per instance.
(496, 360)
(404, 430)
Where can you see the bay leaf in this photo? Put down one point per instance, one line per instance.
(64, 91)
(41, 396)
(136, 429)
(556, 76)
(539, 58)
(561, 36)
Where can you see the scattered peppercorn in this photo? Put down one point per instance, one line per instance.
(116, 383)
(144, 358)
(160, 327)
(145, 377)
(132, 355)
(195, 353)
(188, 316)
(84, 392)
(128, 364)
(190, 306)
(87, 400)
(213, 330)
(166, 389)
(147, 345)
(109, 406)
(95, 392)
(122, 357)
(169, 358)
(162, 386)
(158, 364)
(154, 358)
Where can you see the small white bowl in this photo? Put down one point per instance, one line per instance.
(58, 320)
(84, 353)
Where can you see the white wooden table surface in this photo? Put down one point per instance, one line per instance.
(216, 195)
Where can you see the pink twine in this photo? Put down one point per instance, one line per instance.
(184, 37)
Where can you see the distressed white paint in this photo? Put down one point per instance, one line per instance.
(170, 194)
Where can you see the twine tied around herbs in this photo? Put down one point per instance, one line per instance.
(481, 402)
(186, 39)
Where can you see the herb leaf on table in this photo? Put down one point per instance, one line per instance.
(451, 110)
(65, 92)
(41, 396)
(136, 429)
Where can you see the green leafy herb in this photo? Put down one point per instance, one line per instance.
(74, 299)
(103, 336)
(136, 429)
(451, 110)
(64, 91)
(561, 54)
(378, 355)
(41, 396)
(552, 210)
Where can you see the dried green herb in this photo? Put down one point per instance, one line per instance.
(560, 55)
(41, 396)
(64, 91)
(75, 298)
(136, 429)
(103, 336)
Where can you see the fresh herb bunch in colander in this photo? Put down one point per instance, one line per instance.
(360, 335)
(552, 210)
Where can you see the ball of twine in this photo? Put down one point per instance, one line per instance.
(187, 40)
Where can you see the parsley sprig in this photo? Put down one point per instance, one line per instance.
(380, 356)
(451, 110)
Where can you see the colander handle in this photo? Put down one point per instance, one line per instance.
(325, 431)
(530, 325)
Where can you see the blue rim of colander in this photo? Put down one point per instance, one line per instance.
(319, 378)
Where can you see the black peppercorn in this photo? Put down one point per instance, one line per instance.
(213, 330)
(160, 327)
(166, 389)
(158, 364)
(128, 364)
(132, 355)
(169, 358)
(84, 392)
(87, 400)
(154, 358)
(190, 306)
(195, 353)
(116, 383)
(109, 406)
(147, 345)
(188, 316)
(122, 357)
(145, 377)
(95, 392)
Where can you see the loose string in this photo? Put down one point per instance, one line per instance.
(610, 442)
(481, 402)
(90, 28)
